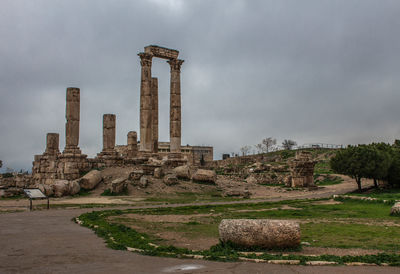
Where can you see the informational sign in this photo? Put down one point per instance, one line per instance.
(34, 193)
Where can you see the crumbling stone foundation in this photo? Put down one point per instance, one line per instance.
(302, 170)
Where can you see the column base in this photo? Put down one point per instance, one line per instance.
(75, 150)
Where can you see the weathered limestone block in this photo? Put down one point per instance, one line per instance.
(204, 175)
(154, 161)
(10, 192)
(136, 174)
(118, 185)
(395, 210)
(90, 180)
(61, 188)
(73, 187)
(52, 144)
(251, 180)
(302, 169)
(8, 182)
(258, 167)
(237, 193)
(161, 52)
(144, 181)
(182, 172)
(158, 172)
(170, 179)
(132, 148)
(46, 189)
(260, 233)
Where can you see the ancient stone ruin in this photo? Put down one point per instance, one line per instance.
(149, 153)
(149, 101)
(302, 170)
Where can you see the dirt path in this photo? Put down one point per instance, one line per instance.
(264, 194)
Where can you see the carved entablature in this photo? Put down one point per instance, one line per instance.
(145, 59)
(175, 64)
(161, 52)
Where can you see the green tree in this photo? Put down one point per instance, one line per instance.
(377, 161)
(393, 151)
(288, 144)
(350, 161)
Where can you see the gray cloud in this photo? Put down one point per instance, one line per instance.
(313, 71)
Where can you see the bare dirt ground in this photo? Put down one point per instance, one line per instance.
(137, 196)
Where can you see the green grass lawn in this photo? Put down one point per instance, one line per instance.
(350, 224)
(190, 197)
(385, 194)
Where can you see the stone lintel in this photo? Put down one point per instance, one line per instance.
(161, 52)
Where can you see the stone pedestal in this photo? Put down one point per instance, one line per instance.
(71, 166)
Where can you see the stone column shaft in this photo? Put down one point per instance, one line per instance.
(72, 125)
(132, 144)
(108, 132)
(52, 144)
(175, 106)
(154, 96)
(146, 139)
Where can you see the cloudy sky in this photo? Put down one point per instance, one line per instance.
(312, 71)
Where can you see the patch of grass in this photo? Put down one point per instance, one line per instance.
(203, 182)
(190, 197)
(90, 205)
(349, 235)
(386, 194)
(82, 193)
(322, 167)
(108, 192)
(327, 181)
(15, 197)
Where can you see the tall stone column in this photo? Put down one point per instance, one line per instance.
(154, 100)
(175, 106)
(72, 124)
(52, 144)
(109, 133)
(132, 144)
(146, 140)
